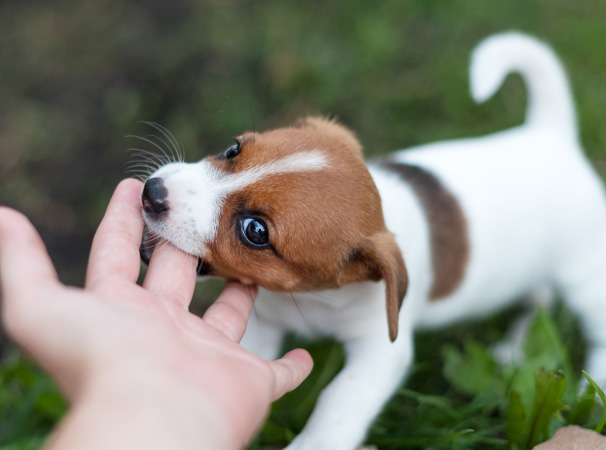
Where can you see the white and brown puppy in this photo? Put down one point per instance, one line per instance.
(457, 229)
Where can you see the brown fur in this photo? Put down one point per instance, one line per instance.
(447, 224)
(326, 226)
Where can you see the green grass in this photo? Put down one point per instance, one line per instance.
(76, 77)
(29, 404)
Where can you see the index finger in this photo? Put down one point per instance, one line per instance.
(115, 249)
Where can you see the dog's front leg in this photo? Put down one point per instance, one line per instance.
(375, 368)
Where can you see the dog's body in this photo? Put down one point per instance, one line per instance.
(480, 223)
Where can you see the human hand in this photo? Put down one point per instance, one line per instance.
(138, 368)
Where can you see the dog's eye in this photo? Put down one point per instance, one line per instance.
(232, 151)
(254, 232)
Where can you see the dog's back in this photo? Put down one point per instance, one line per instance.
(529, 197)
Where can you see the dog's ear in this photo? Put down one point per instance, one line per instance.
(332, 128)
(379, 258)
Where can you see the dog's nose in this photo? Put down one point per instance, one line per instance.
(154, 196)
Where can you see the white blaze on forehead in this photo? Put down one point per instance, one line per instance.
(297, 162)
(214, 185)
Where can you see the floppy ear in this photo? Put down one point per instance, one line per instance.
(379, 258)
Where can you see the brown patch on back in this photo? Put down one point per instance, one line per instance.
(447, 225)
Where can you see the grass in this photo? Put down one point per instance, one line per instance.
(30, 404)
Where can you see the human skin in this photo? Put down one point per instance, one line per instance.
(139, 370)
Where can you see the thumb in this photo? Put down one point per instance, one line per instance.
(26, 269)
(290, 371)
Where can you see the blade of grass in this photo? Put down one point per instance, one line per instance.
(600, 392)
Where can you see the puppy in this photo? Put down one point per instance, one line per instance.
(431, 235)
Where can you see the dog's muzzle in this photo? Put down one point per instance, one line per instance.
(156, 207)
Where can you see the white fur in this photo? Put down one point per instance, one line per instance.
(209, 186)
(550, 101)
(536, 215)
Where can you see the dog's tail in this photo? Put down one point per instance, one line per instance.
(550, 102)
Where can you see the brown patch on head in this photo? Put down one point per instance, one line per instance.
(306, 134)
(447, 226)
(325, 226)
(333, 129)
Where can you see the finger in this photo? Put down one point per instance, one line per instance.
(25, 266)
(290, 371)
(230, 312)
(171, 274)
(115, 249)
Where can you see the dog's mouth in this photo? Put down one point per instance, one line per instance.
(151, 240)
(148, 245)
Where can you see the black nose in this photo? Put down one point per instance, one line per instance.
(154, 196)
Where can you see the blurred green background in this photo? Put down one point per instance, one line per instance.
(77, 77)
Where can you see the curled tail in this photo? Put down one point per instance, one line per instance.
(550, 102)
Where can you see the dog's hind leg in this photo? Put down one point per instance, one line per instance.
(583, 287)
(510, 349)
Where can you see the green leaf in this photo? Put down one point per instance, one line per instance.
(583, 407)
(543, 350)
(547, 404)
(543, 336)
(439, 402)
(516, 420)
(544, 347)
(471, 371)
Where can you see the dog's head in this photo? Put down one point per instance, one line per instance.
(292, 209)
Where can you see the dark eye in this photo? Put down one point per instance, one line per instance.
(254, 232)
(232, 151)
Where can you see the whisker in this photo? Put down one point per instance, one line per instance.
(300, 312)
(155, 144)
(252, 117)
(138, 162)
(254, 311)
(161, 243)
(174, 157)
(143, 171)
(140, 174)
(149, 240)
(143, 163)
(134, 170)
(143, 153)
(319, 296)
(168, 135)
(249, 293)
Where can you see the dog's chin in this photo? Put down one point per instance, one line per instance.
(151, 240)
